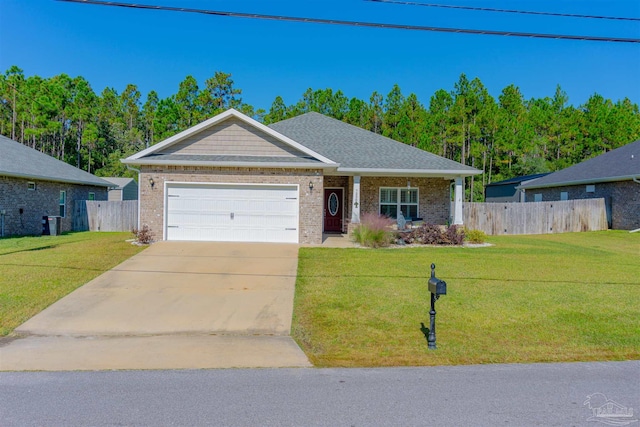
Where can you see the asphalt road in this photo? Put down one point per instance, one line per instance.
(486, 395)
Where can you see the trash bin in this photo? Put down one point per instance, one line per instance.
(54, 225)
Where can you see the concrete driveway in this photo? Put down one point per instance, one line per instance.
(175, 305)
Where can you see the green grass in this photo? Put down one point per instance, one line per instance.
(37, 271)
(561, 297)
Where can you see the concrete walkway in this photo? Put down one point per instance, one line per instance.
(175, 305)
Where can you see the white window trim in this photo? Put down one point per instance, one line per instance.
(31, 186)
(537, 197)
(398, 203)
(63, 199)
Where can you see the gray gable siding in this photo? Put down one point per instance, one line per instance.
(356, 148)
(232, 137)
(127, 189)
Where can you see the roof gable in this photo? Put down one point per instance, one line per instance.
(359, 150)
(617, 165)
(18, 160)
(230, 137)
(120, 182)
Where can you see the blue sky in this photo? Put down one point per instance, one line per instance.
(112, 47)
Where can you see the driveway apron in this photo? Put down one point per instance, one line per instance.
(176, 305)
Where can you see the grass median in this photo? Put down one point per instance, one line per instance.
(38, 271)
(544, 298)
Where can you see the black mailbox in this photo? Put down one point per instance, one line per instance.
(437, 286)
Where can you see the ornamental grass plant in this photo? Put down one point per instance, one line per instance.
(374, 231)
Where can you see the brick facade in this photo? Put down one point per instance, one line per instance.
(622, 199)
(152, 198)
(433, 195)
(434, 202)
(43, 201)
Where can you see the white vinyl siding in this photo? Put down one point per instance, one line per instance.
(394, 201)
(232, 212)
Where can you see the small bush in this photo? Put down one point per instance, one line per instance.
(475, 236)
(143, 235)
(374, 231)
(432, 234)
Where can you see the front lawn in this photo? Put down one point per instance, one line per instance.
(544, 298)
(38, 271)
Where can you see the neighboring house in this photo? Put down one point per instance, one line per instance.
(507, 190)
(34, 185)
(614, 176)
(125, 189)
(232, 178)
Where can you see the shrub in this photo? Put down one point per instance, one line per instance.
(374, 231)
(432, 234)
(475, 236)
(143, 235)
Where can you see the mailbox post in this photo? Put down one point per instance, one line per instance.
(437, 287)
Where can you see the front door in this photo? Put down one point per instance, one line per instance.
(333, 209)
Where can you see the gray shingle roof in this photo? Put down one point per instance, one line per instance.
(518, 179)
(356, 148)
(617, 165)
(20, 161)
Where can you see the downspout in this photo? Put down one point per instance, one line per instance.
(131, 168)
(637, 181)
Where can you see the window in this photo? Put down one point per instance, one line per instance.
(537, 197)
(92, 196)
(564, 195)
(396, 200)
(63, 203)
(31, 186)
(591, 188)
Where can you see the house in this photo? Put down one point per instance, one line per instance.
(232, 178)
(507, 190)
(614, 176)
(124, 189)
(34, 185)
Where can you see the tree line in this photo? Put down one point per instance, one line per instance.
(511, 136)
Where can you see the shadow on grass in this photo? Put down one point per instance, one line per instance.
(39, 248)
(488, 279)
(53, 266)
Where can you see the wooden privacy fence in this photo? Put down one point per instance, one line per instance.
(102, 215)
(536, 217)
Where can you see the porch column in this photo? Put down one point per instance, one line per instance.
(355, 206)
(457, 202)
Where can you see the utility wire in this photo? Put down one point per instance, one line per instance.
(488, 9)
(355, 23)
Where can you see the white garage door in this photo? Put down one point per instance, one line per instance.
(232, 212)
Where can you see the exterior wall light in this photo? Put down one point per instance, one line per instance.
(151, 182)
(310, 185)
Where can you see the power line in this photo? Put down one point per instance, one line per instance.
(356, 23)
(488, 9)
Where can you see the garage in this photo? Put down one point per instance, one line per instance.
(232, 212)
